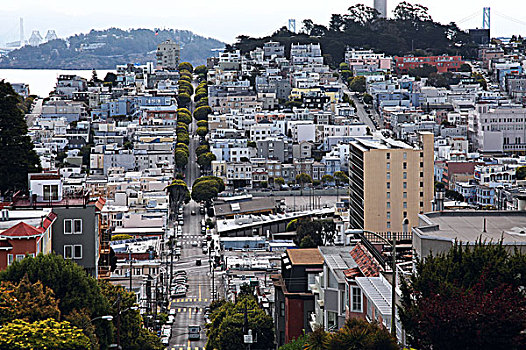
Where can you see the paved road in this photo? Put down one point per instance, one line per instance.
(190, 309)
(362, 115)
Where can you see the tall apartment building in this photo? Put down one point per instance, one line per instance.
(168, 55)
(391, 182)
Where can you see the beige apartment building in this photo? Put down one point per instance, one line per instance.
(391, 182)
(168, 55)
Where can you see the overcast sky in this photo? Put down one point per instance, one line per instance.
(226, 19)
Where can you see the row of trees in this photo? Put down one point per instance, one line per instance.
(204, 156)
(51, 303)
(206, 188)
(184, 116)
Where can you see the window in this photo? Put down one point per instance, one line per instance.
(388, 165)
(77, 226)
(50, 192)
(388, 195)
(331, 320)
(421, 164)
(388, 215)
(405, 175)
(405, 214)
(405, 185)
(9, 259)
(421, 194)
(421, 204)
(68, 226)
(68, 252)
(77, 251)
(405, 194)
(421, 184)
(20, 257)
(388, 185)
(388, 205)
(421, 174)
(405, 155)
(282, 308)
(405, 205)
(388, 155)
(388, 224)
(388, 176)
(405, 165)
(356, 299)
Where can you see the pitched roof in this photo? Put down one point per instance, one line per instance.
(22, 230)
(309, 256)
(366, 263)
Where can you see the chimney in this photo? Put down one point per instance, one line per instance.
(439, 199)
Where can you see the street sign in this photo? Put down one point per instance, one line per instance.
(248, 339)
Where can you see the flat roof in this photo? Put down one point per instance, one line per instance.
(468, 226)
(308, 256)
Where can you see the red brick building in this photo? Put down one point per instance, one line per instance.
(442, 63)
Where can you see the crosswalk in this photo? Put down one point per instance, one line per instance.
(189, 300)
(188, 309)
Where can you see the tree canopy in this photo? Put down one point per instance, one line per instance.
(410, 31)
(314, 233)
(40, 335)
(472, 294)
(225, 332)
(18, 157)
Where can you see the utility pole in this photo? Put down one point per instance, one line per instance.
(118, 321)
(131, 267)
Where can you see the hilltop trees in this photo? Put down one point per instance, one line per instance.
(18, 157)
(472, 294)
(207, 188)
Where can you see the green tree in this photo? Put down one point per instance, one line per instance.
(218, 182)
(18, 157)
(184, 99)
(362, 14)
(181, 158)
(321, 232)
(201, 69)
(200, 94)
(201, 131)
(225, 331)
(201, 113)
(27, 301)
(202, 123)
(186, 66)
(184, 118)
(203, 102)
(357, 84)
(279, 181)
(367, 99)
(340, 177)
(303, 179)
(73, 288)
(327, 179)
(520, 173)
(201, 150)
(205, 160)
(133, 335)
(360, 334)
(413, 13)
(205, 191)
(178, 193)
(463, 293)
(40, 335)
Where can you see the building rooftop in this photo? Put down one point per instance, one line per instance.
(470, 226)
(22, 230)
(310, 256)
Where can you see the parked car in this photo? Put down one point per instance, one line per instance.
(172, 312)
(181, 222)
(194, 243)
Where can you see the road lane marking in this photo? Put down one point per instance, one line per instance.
(189, 314)
(199, 291)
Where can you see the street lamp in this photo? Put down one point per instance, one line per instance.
(105, 317)
(360, 234)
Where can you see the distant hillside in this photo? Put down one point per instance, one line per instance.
(107, 48)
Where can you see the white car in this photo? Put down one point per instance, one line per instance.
(171, 319)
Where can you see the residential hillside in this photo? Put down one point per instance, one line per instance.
(106, 48)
